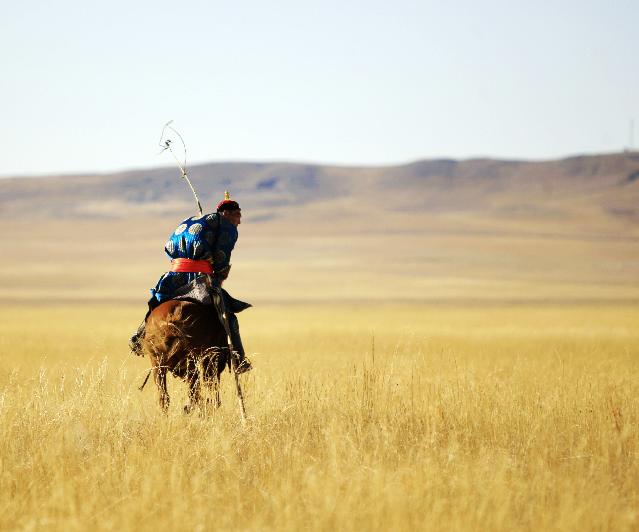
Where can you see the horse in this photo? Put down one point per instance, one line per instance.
(188, 340)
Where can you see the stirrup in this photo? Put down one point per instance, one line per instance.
(243, 366)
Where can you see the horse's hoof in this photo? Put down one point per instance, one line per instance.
(216, 403)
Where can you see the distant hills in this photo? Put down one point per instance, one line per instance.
(482, 230)
(606, 183)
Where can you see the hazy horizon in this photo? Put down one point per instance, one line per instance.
(391, 164)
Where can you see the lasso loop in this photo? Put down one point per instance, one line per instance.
(166, 144)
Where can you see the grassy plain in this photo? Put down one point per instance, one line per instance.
(373, 417)
(488, 379)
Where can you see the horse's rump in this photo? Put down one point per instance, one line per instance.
(178, 334)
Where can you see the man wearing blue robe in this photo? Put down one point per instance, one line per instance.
(200, 252)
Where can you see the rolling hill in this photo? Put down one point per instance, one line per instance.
(437, 230)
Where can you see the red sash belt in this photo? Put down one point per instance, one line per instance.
(190, 265)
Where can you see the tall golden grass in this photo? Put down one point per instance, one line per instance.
(361, 417)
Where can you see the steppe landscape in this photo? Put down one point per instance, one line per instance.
(437, 345)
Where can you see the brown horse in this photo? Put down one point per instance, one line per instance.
(188, 340)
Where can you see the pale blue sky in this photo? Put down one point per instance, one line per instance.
(87, 86)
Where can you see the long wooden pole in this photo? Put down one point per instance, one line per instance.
(166, 145)
(218, 300)
(238, 387)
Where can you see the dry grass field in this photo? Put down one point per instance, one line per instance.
(437, 346)
(362, 417)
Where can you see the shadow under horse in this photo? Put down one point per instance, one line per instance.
(187, 340)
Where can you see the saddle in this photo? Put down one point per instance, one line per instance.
(201, 290)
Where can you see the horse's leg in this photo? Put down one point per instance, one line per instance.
(211, 377)
(218, 401)
(213, 395)
(159, 376)
(218, 365)
(214, 387)
(194, 389)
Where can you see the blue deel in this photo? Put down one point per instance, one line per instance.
(209, 237)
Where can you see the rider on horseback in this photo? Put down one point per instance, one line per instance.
(200, 249)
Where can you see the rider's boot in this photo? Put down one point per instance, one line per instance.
(135, 343)
(242, 364)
